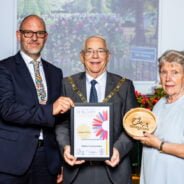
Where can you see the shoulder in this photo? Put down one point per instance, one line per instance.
(159, 105)
(9, 60)
(75, 77)
(50, 68)
(115, 78)
(50, 65)
(10, 63)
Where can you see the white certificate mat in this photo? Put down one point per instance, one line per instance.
(91, 130)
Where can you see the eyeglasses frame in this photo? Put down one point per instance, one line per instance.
(32, 33)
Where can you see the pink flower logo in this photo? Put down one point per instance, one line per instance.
(100, 125)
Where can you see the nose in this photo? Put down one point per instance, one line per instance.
(34, 37)
(168, 77)
(95, 54)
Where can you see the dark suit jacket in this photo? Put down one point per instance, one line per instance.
(122, 101)
(21, 116)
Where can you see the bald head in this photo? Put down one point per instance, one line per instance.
(30, 18)
(95, 37)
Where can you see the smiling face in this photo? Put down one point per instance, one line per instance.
(172, 80)
(95, 56)
(32, 46)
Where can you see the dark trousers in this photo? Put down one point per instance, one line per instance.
(37, 174)
(92, 174)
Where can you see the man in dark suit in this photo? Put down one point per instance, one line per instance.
(109, 88)
(30, 104)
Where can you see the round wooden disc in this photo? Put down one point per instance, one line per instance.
(138, 120)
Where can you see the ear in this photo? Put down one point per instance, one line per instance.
(18, 35)
(82, 57)
(46, 37)
(108, 56)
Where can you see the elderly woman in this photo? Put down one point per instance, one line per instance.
(163, 151)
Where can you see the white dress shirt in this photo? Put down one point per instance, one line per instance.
(100, 86)
(30, 67)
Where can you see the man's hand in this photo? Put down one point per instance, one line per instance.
(62, 105)
(60, 177)
(115, 159)
(70, 159)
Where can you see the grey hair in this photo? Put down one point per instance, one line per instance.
(171, 56)
(94, 36)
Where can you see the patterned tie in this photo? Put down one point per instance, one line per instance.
(41, 93)
(93, 93)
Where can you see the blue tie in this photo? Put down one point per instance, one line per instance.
(93, 93)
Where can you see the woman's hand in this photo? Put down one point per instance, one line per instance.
(149, 140)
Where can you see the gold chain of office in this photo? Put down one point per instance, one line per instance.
(105, 100)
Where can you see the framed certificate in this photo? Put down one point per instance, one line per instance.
(91, 131)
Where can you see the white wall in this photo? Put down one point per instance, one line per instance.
(171, 25)
(171, 31)
(8, 15)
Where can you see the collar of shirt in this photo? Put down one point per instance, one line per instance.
(100, 86)
(28, 59)
(30, 67)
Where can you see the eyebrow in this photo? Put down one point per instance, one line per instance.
(97, 48)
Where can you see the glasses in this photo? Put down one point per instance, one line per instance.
(100, 52)
(29, 34)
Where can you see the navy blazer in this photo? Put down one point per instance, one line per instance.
(122, 101)
(22, 117)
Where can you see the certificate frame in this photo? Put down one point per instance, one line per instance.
(91, 131)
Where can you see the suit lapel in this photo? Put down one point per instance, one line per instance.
(48, 79)
(109, 84)
(81, 83)
(23, 71)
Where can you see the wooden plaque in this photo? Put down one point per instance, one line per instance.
(138, 120)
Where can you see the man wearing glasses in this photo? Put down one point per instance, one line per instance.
(97, 85)
(30, 106)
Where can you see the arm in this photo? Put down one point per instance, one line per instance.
(63, 135)
(165, 147)
(124, 143)
(18, 109)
